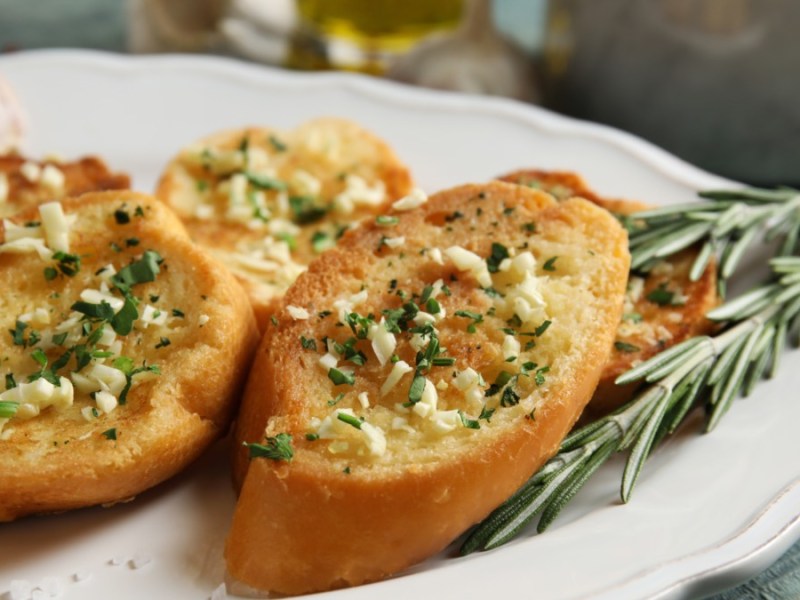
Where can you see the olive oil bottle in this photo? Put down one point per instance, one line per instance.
(365, 35)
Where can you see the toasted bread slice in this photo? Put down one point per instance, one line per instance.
(388, 471)
(267, 202)
(112, 395)
(663, 307)
(25, 183)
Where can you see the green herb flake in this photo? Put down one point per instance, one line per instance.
(539, 377)
(632, 317)
(143, 270)
(499, 254)
(308, 343)
(176, 312)
(661, 295)
(121, 216)
(486, 414)
(626, 347)
(349, 419)
(50, 273)
(312, 437)
(18, 333)
(8, 409)
(539, 331)
(262, 182)
(276, 448)
(341, 377)
(277, 144)
(110, 434)
(321, 241)
(550, 264)
(386, 220)
(163, 343)
(306, 210)
(467, 422)
(416, 388)
(290, 240)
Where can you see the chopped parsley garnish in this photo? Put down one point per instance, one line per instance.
(163, 343)
(8, 409)
(276, 448)
(68, 264)
(131, 242)
(289, 239)
(50, 273)
(542, 328)
(321, 241)
(550, 264)
(661, 296)
(94, 311)
(468, 314)
(386, 220)
(539, 377)
(416, 389)
(312, 437)
(143, 270)
(626, 347)
(632, 317)
(335, 401)
(433, 306)
(340, 377)
(10, 381)
(500, 382)
(349, 419)
(529, 227)
(306, 210)
(122, 217)
(468, 423)
(125, 364)
(486, 414)
(263, 182)
(308, 343)
(176, 312)
(110, 434)
(201, 185)
(277, 144)
(18, 333)
(499, 253)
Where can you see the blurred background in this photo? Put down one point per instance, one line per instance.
(713, 81)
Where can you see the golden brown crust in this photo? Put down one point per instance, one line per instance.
(58, 460)
(328, 520)
(328, 150)
(647, 327)
(87, 174)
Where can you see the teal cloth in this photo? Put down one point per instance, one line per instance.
(100, 24)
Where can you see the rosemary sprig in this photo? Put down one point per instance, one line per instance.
(702, 370)
(727, 225)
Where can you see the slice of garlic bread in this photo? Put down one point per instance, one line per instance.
(25, 183)
(124, 347)
(267, 202)
(663, 307)
(417, 375)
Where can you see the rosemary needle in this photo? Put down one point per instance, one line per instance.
(704, 369)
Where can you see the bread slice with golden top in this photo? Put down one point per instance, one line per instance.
(417, 375)
(663, 307)
(267, 202)
(124, 349)
(25, 183)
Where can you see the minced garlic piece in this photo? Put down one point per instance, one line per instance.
(399, 369)
(464, 260)
(31, 171)
(414, 200)
(297, 313)
(53, 179)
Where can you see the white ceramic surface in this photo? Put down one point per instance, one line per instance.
(708, 511)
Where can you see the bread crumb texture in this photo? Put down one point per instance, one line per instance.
(441, 354)
(267, 202)
(122, 348)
